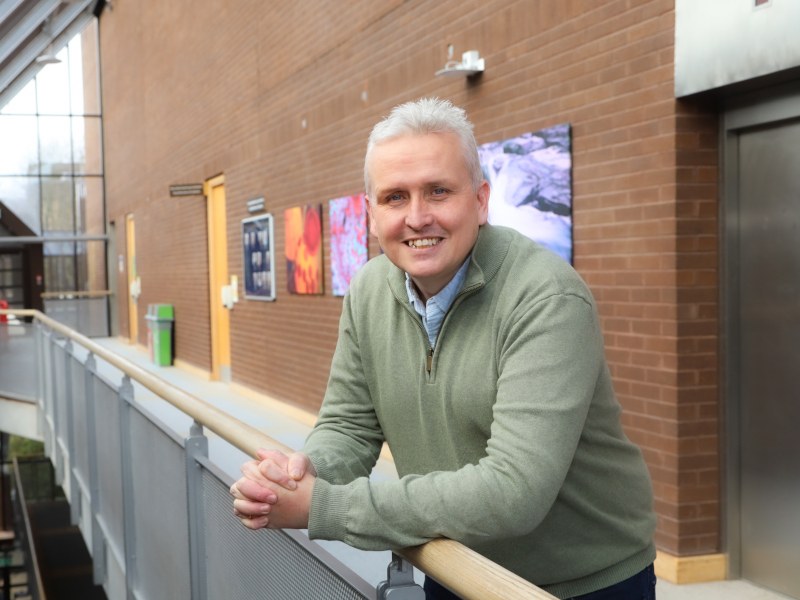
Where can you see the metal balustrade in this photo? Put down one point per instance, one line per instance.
(155, 511)
(86, 312)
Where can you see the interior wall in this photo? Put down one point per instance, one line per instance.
(280, 98)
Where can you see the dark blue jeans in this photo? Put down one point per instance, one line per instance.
(641, 586)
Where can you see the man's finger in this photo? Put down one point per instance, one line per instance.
(246, 508)
(277, 474)
(278, 457)
(251, 471)
(252, 522)
(248, 465)
(298, 465)
(246, 489)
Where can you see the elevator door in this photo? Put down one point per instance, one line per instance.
(769, 359)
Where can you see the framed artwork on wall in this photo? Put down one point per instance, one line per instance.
(303, 249)
(347, 219)
(258, 242)
(531, 186)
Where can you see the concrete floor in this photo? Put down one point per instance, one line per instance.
(290, 428)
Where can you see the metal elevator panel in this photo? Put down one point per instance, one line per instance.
(769, 354)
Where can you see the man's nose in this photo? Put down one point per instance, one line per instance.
(418, 214)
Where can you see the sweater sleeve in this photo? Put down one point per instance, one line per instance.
(347, 439)
(549, 359)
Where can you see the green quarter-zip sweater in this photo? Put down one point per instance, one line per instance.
(506, 437)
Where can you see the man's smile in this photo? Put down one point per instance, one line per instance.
(424, 242)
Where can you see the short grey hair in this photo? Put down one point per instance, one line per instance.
(423, 116)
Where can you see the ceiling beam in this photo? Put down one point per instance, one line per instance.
(23, 66)
(7, 8)
(32, 21)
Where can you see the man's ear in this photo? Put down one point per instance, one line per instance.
(370, 220)
(483, 202)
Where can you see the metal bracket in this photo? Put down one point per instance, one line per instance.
(400, 584)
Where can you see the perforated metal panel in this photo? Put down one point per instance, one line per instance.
(80, 460)
(160, 512)
(47, 368)
(60, 395)
(109, 472)
(243, 564)
(142, 490)
(17, 371)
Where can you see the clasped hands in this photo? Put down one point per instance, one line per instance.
(275, 491)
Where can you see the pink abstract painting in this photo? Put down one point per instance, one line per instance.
(348, 223)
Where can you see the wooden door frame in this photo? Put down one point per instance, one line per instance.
(130, 262)
(217, 278)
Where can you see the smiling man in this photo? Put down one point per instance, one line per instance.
(425, 208)
(476, 355)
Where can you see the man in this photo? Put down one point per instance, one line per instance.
(476, 355)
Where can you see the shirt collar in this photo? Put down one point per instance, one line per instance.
(444, 299)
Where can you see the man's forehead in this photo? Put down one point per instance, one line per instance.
(404, 148)
(411, 136)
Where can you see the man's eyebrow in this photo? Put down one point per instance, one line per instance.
(397, 187)
(403, 187)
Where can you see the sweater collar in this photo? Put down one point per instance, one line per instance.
(488, 253)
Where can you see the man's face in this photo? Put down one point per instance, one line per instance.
(423, 208)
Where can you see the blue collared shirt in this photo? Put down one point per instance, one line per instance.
(436, 308)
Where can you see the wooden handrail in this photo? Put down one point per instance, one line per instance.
(75, 294)
(452, 564)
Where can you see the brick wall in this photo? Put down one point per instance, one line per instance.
(193, 89)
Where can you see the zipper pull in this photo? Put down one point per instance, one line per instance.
(430, 359)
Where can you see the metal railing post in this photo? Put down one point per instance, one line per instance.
(98, 541)
(400, 584)
(196, 446)
(129, 518)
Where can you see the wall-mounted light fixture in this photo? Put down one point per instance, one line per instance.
(471, 64)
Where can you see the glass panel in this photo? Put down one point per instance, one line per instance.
(89, 87)
(21, 196)
(55, 146)
(87, 145)
(59, 267)
(18, 145)
(58, 206)
(91, 266)
(75, 75)
(52, 87)
(11, 261)
(24, 103)
(10, 278)
(89, 205)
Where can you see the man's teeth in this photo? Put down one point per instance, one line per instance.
(423, 243)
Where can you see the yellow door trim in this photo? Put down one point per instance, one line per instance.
(133, 279)
(214, 189)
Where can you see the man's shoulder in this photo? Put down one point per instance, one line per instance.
(512, 249)
(373, 275)
(530, 266)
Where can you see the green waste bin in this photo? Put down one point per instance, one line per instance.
(160, 318)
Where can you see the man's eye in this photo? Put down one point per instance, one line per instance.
(439, 191)
(394, 197)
